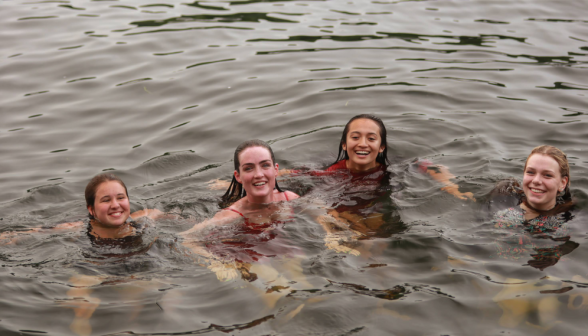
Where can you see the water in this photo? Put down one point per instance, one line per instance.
(162, 93)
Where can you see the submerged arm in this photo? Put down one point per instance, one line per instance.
(337, 228)
(441, 174)
(12, 237)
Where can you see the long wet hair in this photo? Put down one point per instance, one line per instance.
(93, 185)
(564, 201)
(236, 190)
(382, 158)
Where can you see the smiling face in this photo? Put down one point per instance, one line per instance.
(257, 173)
(111, 206)
(542, 181)
(363, 144)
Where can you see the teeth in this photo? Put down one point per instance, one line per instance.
(362, 153)
(259, 184)
(115, 214)
(536, 190)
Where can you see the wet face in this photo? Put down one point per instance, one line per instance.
(363, 144)
(111, 206)
(257, 173)
(542, 181)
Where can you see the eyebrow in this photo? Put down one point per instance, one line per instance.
(370, 133)
(544, 170)
(252, 164)
(116, 195)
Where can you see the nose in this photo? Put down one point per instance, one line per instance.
(537, 179)
(362, 141)
(258, 172)
(114, 204)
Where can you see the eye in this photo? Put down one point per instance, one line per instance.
(267, 165)
(247, 169)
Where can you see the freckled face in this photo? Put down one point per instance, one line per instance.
(363, 144)
(111, 206)
(542, 181)
(257, 173)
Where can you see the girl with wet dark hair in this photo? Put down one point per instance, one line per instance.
(363, 150)
(255, 199)
(253, 189)
(363, 180)
(236, 191)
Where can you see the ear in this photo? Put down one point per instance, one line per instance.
(237, 177)
(344, 146)
(564, 181)
(277, 168)
(91, 211)
(382, 149)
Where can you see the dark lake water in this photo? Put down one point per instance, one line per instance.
(162, 92)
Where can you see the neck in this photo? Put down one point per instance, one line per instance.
(360, 168)
(532, 212)
(101, 231)
(262, 199)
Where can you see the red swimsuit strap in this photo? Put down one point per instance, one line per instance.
(233, 210)
(286, 194)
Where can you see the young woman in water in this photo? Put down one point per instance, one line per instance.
(107, 201)
(112, 231)
(255, 198)
(254, 191)
(543, 209)
(363, 150)
(361, 168)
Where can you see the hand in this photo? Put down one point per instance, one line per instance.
(224, 272)
(333, 242)
(218, 184)
(454, 190)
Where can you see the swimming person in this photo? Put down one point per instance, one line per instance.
(363, 149)
(544, 202)
(109, 213)
(255, 198)
(363, 179)
(113, 235)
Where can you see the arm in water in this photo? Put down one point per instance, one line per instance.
(12, 237)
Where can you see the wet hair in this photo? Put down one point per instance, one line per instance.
(236, 190)
(93, 185)
(564, 202)
(382, 158)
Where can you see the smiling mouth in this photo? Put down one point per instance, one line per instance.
(362, 153)
(116, 214)
(537, 191)
(259, 184)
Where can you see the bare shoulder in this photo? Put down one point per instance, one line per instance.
(150, 213)
(291, 195)
(224, 216)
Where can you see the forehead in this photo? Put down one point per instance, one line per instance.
(254, 154)
(110, 187)
(364, 126)
(542, 161)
